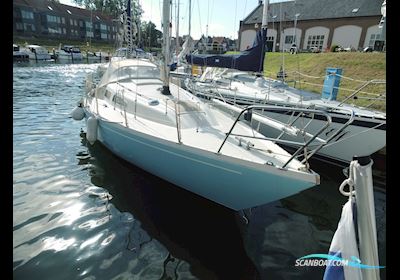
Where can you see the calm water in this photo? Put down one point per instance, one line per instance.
(82, 213)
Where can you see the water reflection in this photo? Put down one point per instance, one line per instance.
(303, 224)
(206, 235)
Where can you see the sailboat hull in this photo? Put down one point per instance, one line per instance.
(351, 142)
(231, 182)
(363, 137)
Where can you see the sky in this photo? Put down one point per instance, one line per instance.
(221, 16)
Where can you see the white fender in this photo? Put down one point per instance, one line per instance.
(78, 113)
(91, 132)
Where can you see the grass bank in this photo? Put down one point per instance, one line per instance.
(309, 69)
(84, 45)
(50, 44)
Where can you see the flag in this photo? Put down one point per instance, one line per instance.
(344, 246)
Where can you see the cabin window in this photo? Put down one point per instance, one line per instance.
(142, 72)
(119, 100)
(244, 78)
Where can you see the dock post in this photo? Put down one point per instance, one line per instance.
(368, 245)
(34, 51)
(54, 55)
(87, 56)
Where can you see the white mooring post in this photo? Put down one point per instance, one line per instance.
(363, 185)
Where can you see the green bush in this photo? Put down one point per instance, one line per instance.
(334, 48)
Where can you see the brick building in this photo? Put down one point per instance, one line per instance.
(352, 24)
(52, 20)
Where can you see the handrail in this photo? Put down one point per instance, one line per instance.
(277, 108)
(351, 119)
(359, 89)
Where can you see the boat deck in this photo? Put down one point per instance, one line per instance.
(202, 126)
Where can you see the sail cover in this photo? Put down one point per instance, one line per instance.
(249, 60)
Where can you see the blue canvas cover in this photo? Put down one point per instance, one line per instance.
(249, 60)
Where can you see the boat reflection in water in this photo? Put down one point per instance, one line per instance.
(193, 229)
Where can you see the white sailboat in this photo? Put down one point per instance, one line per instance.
(174, 135)
(364, 136)
(232, 80)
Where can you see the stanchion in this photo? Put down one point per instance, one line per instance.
(363, 185)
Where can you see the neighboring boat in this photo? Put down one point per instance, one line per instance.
(365, 136)
(92, 56)
(19, 55)
(70, 53)
(37, 52)
(174, 135)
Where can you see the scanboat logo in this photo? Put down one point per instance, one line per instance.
(330, 260)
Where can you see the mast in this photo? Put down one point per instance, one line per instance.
(129, 28)
(91, 28)
(265, 15)
(177, 29)
(190, 16)
(166, 46)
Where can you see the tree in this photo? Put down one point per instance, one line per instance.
(150, 36)
(113, 8)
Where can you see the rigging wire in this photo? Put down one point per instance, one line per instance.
(244, 10)
(281, 43)
(198, 8)
(151, 16)
(234, 22)
(208, 16)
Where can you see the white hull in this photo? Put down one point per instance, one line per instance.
(351, 142)
(231, 182)
(361, 138)
(39, 56)
(184, 141)
(69, 57)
